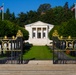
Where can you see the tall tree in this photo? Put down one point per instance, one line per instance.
(44, 8)
(32, 16)
(67, 13)
(72, 12)
(58, 14)
(22, 17)
(7, 14)
(13, 17)
(66, 7)
(49, 17)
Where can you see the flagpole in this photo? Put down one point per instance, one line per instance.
(75, 11)
(3, 12)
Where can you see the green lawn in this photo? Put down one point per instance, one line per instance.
(38, 53)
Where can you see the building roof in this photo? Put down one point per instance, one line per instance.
(38, 23)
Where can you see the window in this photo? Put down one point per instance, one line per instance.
(33, 29)
(33, 34)
(39, 35)
(44, 29)
(43, 34)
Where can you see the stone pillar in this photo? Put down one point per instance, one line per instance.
(31, 35)
(46, 32)
(41, 32)
(36, 32)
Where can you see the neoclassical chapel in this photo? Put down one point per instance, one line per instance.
(38, 33)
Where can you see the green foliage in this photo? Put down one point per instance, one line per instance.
(68, 29)
(44, 8)
(5, 28)
(65, 29)
(8, 28)
(66, 7)
(58, 16)
(13, 17)
(21, 19)
(25, 33)
(7, 14)
(55, 15)
(51, 32)
(61, 29)
(32, 16)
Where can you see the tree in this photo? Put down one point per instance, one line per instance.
(48, 17)
(22, 17)
(12, 18)
(25, 33)
(56, 27)
(7, 14)
(44, 8)
(58, 15)
(72, 12)
(66, 13)
(8, 28)
(66, 7)
(55, 15)
(70, 28)
(65, 29)
(32, 16)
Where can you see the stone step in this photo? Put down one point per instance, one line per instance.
(38, 68)
(37, 72)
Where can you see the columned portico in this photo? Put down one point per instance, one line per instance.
(38, 32)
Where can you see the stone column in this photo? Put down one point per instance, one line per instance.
(31, 36)
(36, 32)
(46, 32)
(41, 32)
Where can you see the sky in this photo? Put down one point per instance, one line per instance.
(18, 6)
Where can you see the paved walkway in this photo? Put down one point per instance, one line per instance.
(38, 68)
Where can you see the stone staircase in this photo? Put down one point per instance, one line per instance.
(38, 68)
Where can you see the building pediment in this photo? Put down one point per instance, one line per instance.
(39, 23)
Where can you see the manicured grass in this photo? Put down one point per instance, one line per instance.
(38, 53)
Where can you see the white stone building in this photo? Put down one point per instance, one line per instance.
(38, 33)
